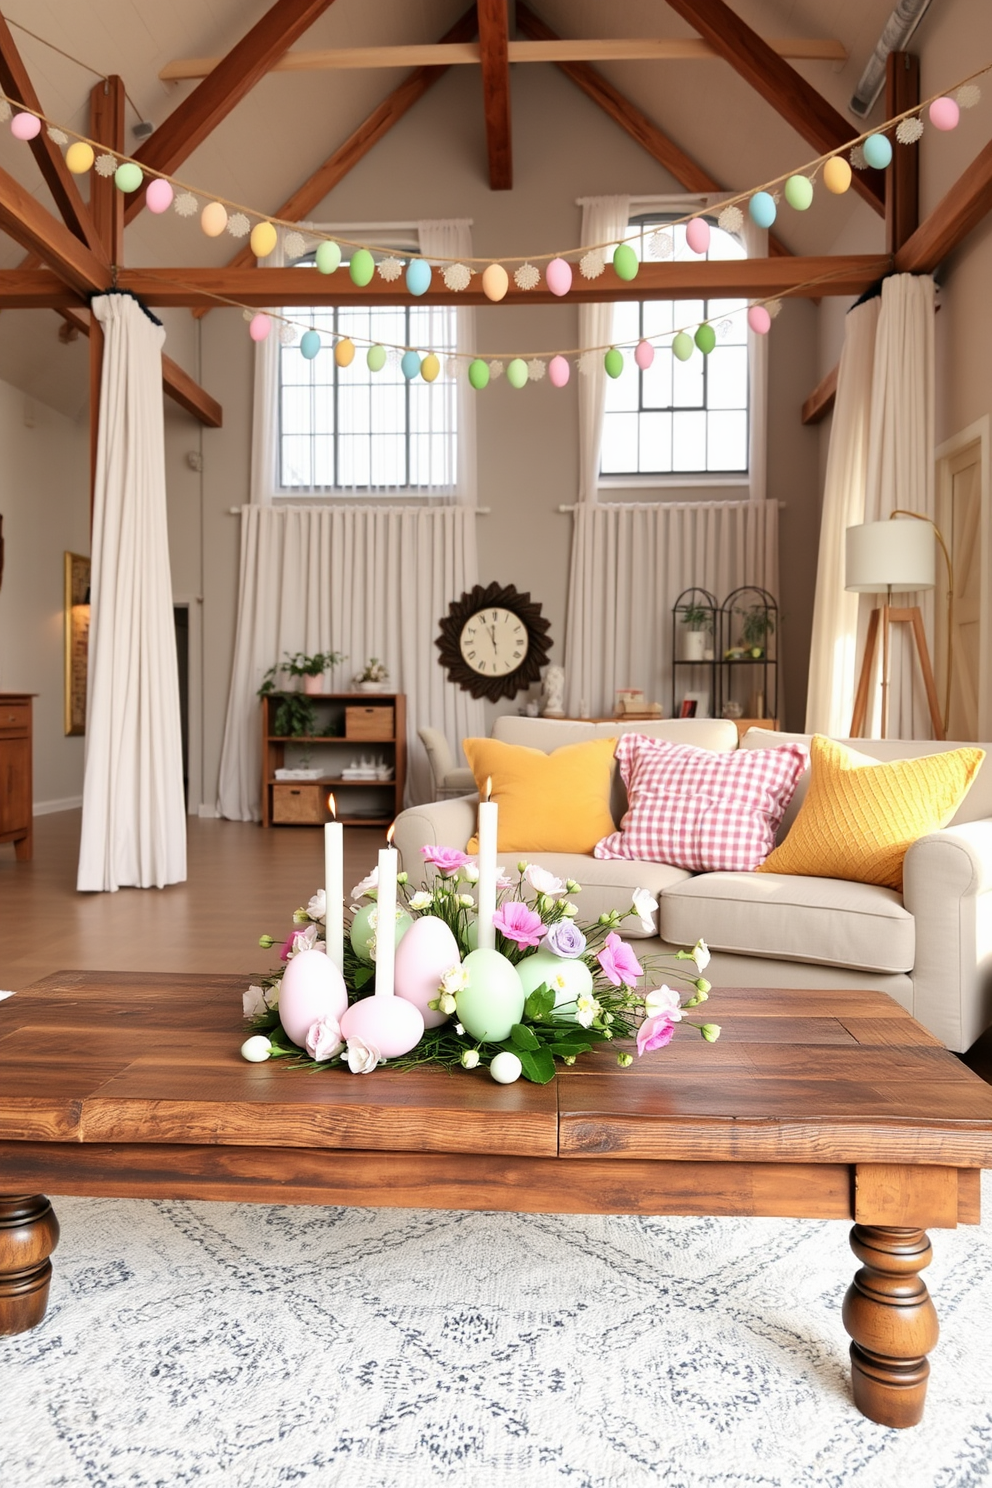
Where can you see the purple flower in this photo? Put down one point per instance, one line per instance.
(618, 962)
(565, 939)
(445, 859)
(519, 922)
(655, 1033)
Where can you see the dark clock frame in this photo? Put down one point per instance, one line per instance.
(503, 596)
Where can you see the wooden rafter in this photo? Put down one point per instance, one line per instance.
(821, 399)
(189, 124)
(632, 120)
(951, 220)
(106, 202)
(788, 92)
(493, 54)
(31, 224)
(61, 183)
(902, 196)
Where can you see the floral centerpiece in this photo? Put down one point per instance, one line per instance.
(556, 989)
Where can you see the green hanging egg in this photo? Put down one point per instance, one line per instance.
(682, 346)
(375, 358)
(478, 374)
(128, 177)
(625, 261)
(706, 339)
(613, 362)
(328, 257)
(799, 192)
(516, 373)
(362, 267)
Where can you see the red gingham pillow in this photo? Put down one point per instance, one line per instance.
(695, 809)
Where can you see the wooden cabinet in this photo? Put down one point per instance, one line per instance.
(16, 790)
(353, 729)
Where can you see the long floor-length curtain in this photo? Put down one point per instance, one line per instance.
(134, 814)
(368, 581)
(630, 563)
(605, 219)
(833, 659)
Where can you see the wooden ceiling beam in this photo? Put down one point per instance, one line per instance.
(106, 202)
(494, 37)
(788, 92)
(16, 83)
(230, 81)
(821, 399)
(632, 120)
(952, 219)
(29, 223)
(902, 197)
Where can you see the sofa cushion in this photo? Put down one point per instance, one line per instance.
(558, 802)
(607, 885)
(829, 921)
(701, 810)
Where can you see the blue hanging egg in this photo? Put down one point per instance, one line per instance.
(418, 276)
(410, 365)
(762, 208)
(310, 344)
(877, 151)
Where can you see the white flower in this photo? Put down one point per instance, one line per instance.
(253, 1001)
(324, 1038)
(420, 900)
(495, 368)
(317, 908)
(908, 131)
(569, 910)
(455, 979)
(390, 269)
(456, 277)
(363, 888)
(106, 165)
(470, 873)
(459, 1028)
(543, 881)
(446, 1003)
(185, 204)
(362, 1058)
(272, 996)
(536, 369)
(663, 1000)
(644, 907)
(466, 901)
(306, 940)
(238, 225)
(527, 276)
(701, 955)
(592, 264)
(294, 245)
(587, 1008)
(503, 879)
(470, 1059)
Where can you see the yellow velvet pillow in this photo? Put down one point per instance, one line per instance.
(860, 817)
(557, 802)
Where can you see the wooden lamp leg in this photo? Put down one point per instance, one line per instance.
(864, 681)
(29, 1232)
(914, 618)
(890, 1317)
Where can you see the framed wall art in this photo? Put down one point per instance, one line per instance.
(77, 635)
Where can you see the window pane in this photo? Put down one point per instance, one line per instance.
(656, 443)
(621, 392)
(689, 441)
(626, 321)
(727, 441)
(296, 410)
(734, 312)
(389, 460)
(323, 460)
(687, 383)
(656, 382)
(296, 461)
(353, 461)
(726, 370)
(619, 443)
(388, 409)
(658, 317)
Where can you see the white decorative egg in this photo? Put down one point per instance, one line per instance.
(426, 952)
(312, 988)
(493, 1000)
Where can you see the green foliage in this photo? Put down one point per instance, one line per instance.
(697, 617)
(757, 624)
(295, 716)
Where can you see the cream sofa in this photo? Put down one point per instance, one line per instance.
(929, 947)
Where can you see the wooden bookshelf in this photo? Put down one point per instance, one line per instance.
(370, 725)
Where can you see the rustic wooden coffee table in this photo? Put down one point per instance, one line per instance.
(833, 1105)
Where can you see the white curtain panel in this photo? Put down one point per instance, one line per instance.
(833, 647)
(629, 565)
(134, 813)
(756, 245)
(605, 219)
(368, 581)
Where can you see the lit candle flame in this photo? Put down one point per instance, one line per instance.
(332, 806)
(489, 787)
(389, 834)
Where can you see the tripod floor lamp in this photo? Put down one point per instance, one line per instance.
(882, 557)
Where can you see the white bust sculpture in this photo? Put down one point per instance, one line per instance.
(554, 692)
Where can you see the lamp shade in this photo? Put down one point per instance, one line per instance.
(883, 555)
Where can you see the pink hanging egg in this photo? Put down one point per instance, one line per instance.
(558, 371)
(259, 326)
(644, 355)
(25, 126)
(390, 1024)
(558, 276)
(697, 234)
(944, 113)
(312, 988)
(759, 320)
(158, 197)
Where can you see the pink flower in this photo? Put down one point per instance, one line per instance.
(520, 923)
(655, 1033)
(445, 859)
(324, 1038)
(286, 948)
(618, 961)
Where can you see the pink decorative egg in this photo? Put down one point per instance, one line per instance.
(390, 1024)
(644, 355)
(426, 952)
(312, 988)
(259, 326)
(25, 126)
(759, 320)
(558, 276)
(158, 197)
(697, 234)
(558, 371)
(944, 113)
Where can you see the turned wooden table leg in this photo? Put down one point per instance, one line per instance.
(889, 1315)
(29, 1232)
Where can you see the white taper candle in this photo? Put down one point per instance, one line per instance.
(385, 933)
(334, 889)
(488, 843)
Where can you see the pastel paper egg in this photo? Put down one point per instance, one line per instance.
(430, 367)
(213, 219)
(613, 362)
(837, 175)
(259, 326)
(644, 355)
(799, 192)
(697, 234)
(375, 358)
(567, 979)
(361, 268)
(263, 239)
(363, 930)
(944, 113)
(25, 126)
(558, 276)
(478, 374)
(426, 952)
(312, 988)
(759, 320)
(158, 197)
(558, 371)
(328, 256)
(79, 157)
(410, 365)
(128, 176)
(495, 281)
(505, 1067)
(344, 352)
(682, 346)
(705, 338)
(516, 373)
(418, 276)
(310, 344)
(877, 151)
(493, 1000)
(625, 263)
(390, 1024)
(762, 209)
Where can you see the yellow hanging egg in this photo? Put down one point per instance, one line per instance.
(495, 282)
(263, 239)
(79, 157)
(213, 219)
(344, 352)
(430, 367)
(837, 175)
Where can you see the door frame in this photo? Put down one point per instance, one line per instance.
(976, 433)
(193, 604)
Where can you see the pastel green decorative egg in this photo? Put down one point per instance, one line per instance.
(613, 362)
(128, 177)
(682, 346)
(493, 1000)
(375, 358)
(799, 192)
(625, 262)
(478, 374)
(328, 256)
(362, 267)
(516, 373)
(363, 929)
(567, 978)
(706, 339)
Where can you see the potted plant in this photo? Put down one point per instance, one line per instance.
(757, 624)
(698, 621)
(372, 676)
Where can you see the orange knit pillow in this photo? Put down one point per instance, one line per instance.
(557, 802)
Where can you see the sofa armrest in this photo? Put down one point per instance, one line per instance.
(947, 888)
(435, 824)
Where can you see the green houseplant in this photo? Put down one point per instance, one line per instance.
(698, 622)
(757, 624)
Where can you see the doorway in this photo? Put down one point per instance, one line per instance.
(964, 517)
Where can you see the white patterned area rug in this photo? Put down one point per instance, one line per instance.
(242, 1346)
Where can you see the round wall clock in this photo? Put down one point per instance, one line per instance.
(494, 641)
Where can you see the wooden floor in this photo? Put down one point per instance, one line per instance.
(242, 882)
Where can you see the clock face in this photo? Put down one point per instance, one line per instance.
(494, 642)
